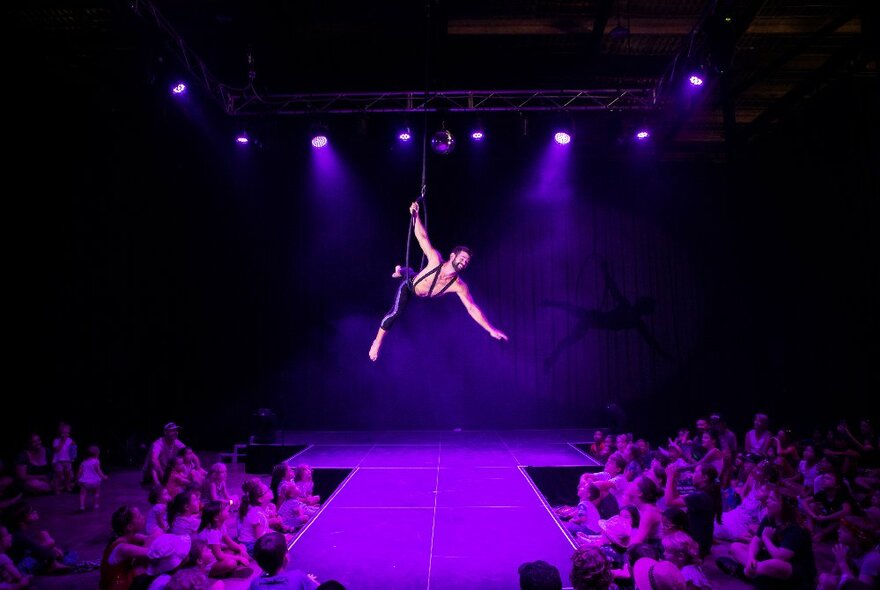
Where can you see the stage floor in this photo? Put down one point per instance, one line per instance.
(434, 509)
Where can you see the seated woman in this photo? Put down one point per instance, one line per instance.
(703, 505)
(781, 552)
(125, 555)
(643, 494)
(32, 468)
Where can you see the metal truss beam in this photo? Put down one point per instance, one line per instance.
(445, 101)
(247, 101)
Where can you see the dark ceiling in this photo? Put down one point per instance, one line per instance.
(763, 57)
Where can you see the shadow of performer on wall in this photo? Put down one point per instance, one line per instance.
(624, 316)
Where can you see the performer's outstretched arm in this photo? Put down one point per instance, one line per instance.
(422, 235)
(475, 312)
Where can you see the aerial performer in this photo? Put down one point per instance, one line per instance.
(438, 277)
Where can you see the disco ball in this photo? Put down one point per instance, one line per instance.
(442, 142)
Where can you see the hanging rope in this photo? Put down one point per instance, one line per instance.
(423, 206)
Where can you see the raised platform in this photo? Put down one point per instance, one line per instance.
(434, 509)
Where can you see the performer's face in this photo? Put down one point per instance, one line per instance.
(461, 261)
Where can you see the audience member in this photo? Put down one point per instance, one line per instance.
(589, 569)
(10, 577)
(161, 452)
(89, 478)
(683, 552)
(184, 513)
(157, 516)
(33, 550)
(230, 558)
(125, 556)
(270, 553)
(757, 440)
(781, 552)
(539, 575)
(32, 468)
(650, 574)
(63, 456)
(703, 505)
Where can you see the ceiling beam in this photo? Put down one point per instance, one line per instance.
(676, 25)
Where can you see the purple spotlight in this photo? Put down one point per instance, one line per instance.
(695, 80)
(179, 89)
(477, 135)
(562, 138)
(319, 141)
(242, 139)
(404, 135)
(643, 135)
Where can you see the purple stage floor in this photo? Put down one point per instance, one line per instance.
(435, 510)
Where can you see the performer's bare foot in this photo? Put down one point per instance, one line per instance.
(377, 343)
(396, 275)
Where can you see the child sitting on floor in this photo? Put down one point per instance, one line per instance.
(270, 552)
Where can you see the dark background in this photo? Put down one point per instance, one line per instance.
(159, 272)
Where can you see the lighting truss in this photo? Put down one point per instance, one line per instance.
(445, 101)
(247, 101)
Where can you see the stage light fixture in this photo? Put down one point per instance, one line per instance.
(405, 135)
(643, 134)
(320, 138)
(242, 139)
(562, 138)
(178, 89)
(696, 80)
